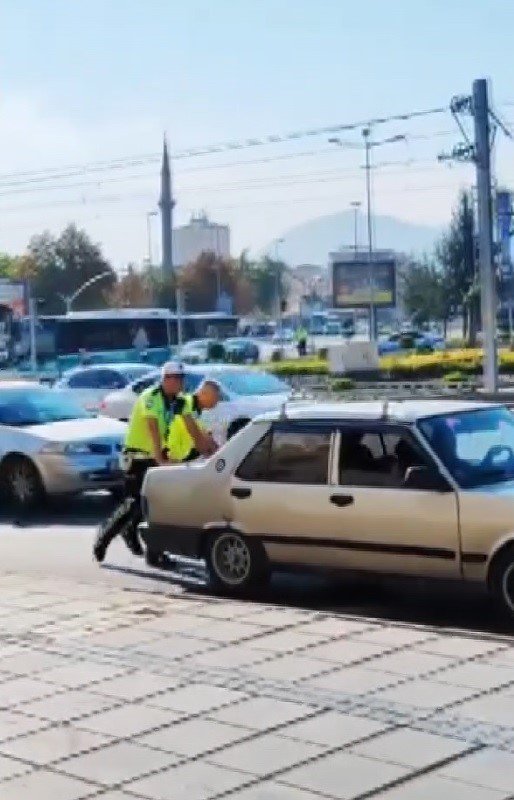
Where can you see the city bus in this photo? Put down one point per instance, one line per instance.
(132, 334)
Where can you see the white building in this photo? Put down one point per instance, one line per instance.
(200, 236)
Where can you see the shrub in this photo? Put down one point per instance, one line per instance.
(343, 385)
(455, 377)
(304, 366)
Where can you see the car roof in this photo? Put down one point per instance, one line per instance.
(371, 410)
(20, 385)
(120, 366)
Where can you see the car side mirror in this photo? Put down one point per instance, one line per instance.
(425, 480)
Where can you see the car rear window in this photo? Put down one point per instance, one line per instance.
(295, 456)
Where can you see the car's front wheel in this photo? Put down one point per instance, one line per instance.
(21, 483)
(501, 581)
(236, 565)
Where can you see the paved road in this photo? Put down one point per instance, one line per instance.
(58, 543)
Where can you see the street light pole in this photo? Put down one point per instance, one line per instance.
(70, 299)
(368, 144)
(356, 204)
(371, 276)
(149, 215)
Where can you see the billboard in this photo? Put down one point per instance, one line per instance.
(351, 283)
(14, 295)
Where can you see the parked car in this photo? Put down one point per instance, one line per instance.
(244, 394)
(50, 446)
(200, 351)
(89, 385)
(283, 336)
(414, 488)
(241, 351)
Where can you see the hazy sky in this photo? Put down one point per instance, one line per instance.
(88, 80)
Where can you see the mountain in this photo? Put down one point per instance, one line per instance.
(311, 242)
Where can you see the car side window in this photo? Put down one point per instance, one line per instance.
(254, 467)
(109, 379)
(377, 458)
(84, 380)
(293, 456)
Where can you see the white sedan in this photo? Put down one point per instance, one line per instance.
(50, 446)
(88, 385)
(245, 393)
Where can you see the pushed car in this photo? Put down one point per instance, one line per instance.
(416, 488)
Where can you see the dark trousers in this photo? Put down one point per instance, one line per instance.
(126, 517)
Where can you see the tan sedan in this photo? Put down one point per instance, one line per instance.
(409, 488)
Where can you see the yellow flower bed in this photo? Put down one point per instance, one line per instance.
(413, 366)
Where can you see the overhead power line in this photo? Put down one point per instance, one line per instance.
(221, 147)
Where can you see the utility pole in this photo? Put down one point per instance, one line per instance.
(486, 123)
(485, 231)
(33, 340)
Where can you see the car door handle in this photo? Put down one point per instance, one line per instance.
(341, 500)
(240, 493)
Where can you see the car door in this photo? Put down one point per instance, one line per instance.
(376, 521)
(84, 388)
(281, 491)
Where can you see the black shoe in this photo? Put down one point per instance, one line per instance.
(99, 550)
(133, 544)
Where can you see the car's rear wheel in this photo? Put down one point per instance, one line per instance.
(236, 565)
(21, 483)
(236, 426)
(501, 582)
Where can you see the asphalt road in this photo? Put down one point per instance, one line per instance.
(58, 541)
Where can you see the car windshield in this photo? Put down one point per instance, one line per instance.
(252, 383)
(21, 407)
(477, 447)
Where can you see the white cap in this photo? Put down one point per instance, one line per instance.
(171, 369)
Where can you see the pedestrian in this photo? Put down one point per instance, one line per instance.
(181, 445)
(144, 447)
(301, 341)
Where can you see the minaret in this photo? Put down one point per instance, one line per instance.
(166, 204)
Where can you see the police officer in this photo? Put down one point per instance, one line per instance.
(145, 443)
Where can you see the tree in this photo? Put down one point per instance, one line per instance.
(201, 280)
(63, 265)
(132, 290)
(424, 293)
(455, 254)
(268, 278)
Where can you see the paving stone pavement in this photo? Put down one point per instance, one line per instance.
(133, 695)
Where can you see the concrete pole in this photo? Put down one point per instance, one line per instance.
(33, 340)
(371, 276)
(485, 232)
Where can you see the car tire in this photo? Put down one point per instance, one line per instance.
(236, 565)
(236, 426)
(21, 483)
(501, 582)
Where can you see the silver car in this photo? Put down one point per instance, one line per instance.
(50, 446)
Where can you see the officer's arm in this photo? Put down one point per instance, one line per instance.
(203, 443)
(153, 427)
